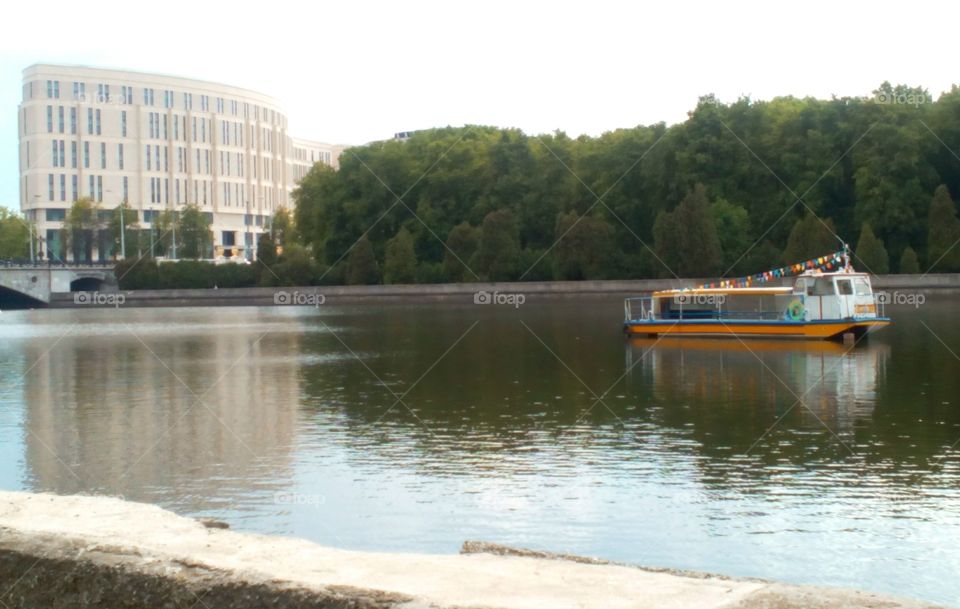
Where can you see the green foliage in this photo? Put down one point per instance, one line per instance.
(295, 267)
(909, 264)
(362, 267)
(811, 236)
(400, 263)
(266, 259)
(195, 239)
(129, 236)
(498, 251)
(14, 236)
(584, 247)
(943, 242)
(79, 232)
(149, 274)
(870, 252)
(461, 245)
(853, 160)
(686, 239)
(282, 227)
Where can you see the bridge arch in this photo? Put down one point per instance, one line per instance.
(86, 284)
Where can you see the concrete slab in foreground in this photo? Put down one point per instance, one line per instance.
(80, 551)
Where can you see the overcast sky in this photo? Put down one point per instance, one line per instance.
(351, 72)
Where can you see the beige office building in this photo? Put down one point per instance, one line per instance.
(159, 143)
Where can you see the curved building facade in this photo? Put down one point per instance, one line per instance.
(159, 143)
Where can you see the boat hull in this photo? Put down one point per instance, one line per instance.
(821, 330)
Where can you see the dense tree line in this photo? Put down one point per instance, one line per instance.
(735, 189)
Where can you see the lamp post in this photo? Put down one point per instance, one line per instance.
(30, 229)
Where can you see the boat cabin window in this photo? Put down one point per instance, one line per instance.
(845, 287)
(821, 287)
(862, 287)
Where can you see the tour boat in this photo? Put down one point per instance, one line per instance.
(828, 300)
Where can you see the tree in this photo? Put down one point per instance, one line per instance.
(295, 266)
(266, 260)
(733, 225)
(943, 249)
(909, 264)
(193, 233)
(686, 238)
(129, 237)
(362, 267)
(871, 253)
(499, 248)
(14, 236)
(584, 247)
(461, 245)
(282, 227)
(162, 233)
(80, 228)
(809, 238)
(400, 263)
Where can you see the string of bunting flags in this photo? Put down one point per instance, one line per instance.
(830, 262)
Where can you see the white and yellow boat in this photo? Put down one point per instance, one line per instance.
(823, 304)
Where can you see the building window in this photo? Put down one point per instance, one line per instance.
(54, 153)
(91, 192)
(53, 89)
(103, 155)
(79, 91)
(123, 123)
(126, 188)
(147, 97)
(60, 118)
(188, 101)
(126, 94)
(49, 119)
(63, 187)
(204, 103)
(50, 186)
(164, 126)
(120, 156)
(73, 121)
(103, 93)
(100, 189)
(98, 121)
(176, 128)
(73, 187)
(148, 157)
(86, 155)
(73, 155)
(89, 121)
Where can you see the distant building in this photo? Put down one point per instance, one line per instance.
(404, 135)
(159, 143)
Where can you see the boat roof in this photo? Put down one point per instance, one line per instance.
(722, 291)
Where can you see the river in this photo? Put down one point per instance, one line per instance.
(415, 427)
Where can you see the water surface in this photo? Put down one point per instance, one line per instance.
(416, 427)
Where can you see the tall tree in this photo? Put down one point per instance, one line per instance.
(14, 236)
(499, 248)
(461, 245)
(810, 237)
(909, 264)
(584, 248)
(400, 262)
(362, 267)
(80, 228)
(194, 235)
(686, 238)
(871, 253)
(943, 242)
(129, 235)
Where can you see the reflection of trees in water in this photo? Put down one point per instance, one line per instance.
(111, 411)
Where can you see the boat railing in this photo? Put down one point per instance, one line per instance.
(773, 308)
(637, 307)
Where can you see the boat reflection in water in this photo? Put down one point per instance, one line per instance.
(826, 383)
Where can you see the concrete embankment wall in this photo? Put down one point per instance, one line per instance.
(946, 283)
(83, 552)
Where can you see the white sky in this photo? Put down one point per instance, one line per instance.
(351, 72)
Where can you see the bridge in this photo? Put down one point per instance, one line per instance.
(28, 285)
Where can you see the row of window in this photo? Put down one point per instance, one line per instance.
(59, 157)
(126, 97)
(94, 189)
